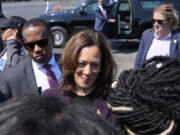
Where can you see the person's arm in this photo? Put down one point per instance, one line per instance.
(139, 54)
(177, 41)
(14, 47)
(110, 20)
(100, 16)
(14, 52)
(4, 88)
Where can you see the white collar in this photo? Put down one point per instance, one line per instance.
(169, 36)
(52, 61)
(100, 6)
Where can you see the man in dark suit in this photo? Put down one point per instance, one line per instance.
(29, 77)
(102, 18)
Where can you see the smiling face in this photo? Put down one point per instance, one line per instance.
(89, 65)
(164, 28)
(40, 54)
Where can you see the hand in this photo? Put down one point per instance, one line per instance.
(9, 34)
(12, 36)
(112, 20)
(115, 0)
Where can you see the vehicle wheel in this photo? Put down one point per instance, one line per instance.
(60, 36)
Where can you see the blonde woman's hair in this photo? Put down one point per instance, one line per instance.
(170, 13)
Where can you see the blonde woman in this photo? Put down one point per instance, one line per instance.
(163, 40)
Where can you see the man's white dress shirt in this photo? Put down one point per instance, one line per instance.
(40, 73)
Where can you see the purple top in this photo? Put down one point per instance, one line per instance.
(98, 104)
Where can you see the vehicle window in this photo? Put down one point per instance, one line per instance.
(124, 7)
(90, 9)
(124, 11)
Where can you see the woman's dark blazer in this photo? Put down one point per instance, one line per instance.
(146, 42)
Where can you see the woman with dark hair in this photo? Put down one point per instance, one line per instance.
(88, 70)
(14, 50)
(147, 101)
(40, 115)
(103, 64)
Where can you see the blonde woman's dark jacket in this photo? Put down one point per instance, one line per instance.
(146, 42)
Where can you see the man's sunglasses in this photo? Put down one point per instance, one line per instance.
(41, 43)
(159, 21)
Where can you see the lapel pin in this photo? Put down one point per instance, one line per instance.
(98, 112)
(175, 41)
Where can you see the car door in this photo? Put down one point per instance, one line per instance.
(112, 27)
(124, 17)
(122, 12)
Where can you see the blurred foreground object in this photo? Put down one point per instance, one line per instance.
(147, 101)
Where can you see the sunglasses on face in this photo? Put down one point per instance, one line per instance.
(158, 21)
(41, 43)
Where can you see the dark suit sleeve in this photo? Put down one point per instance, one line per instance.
(178, 45)
(107, 6)
(138, 60)
(99, 15)
(4, 88)
(14, 52)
